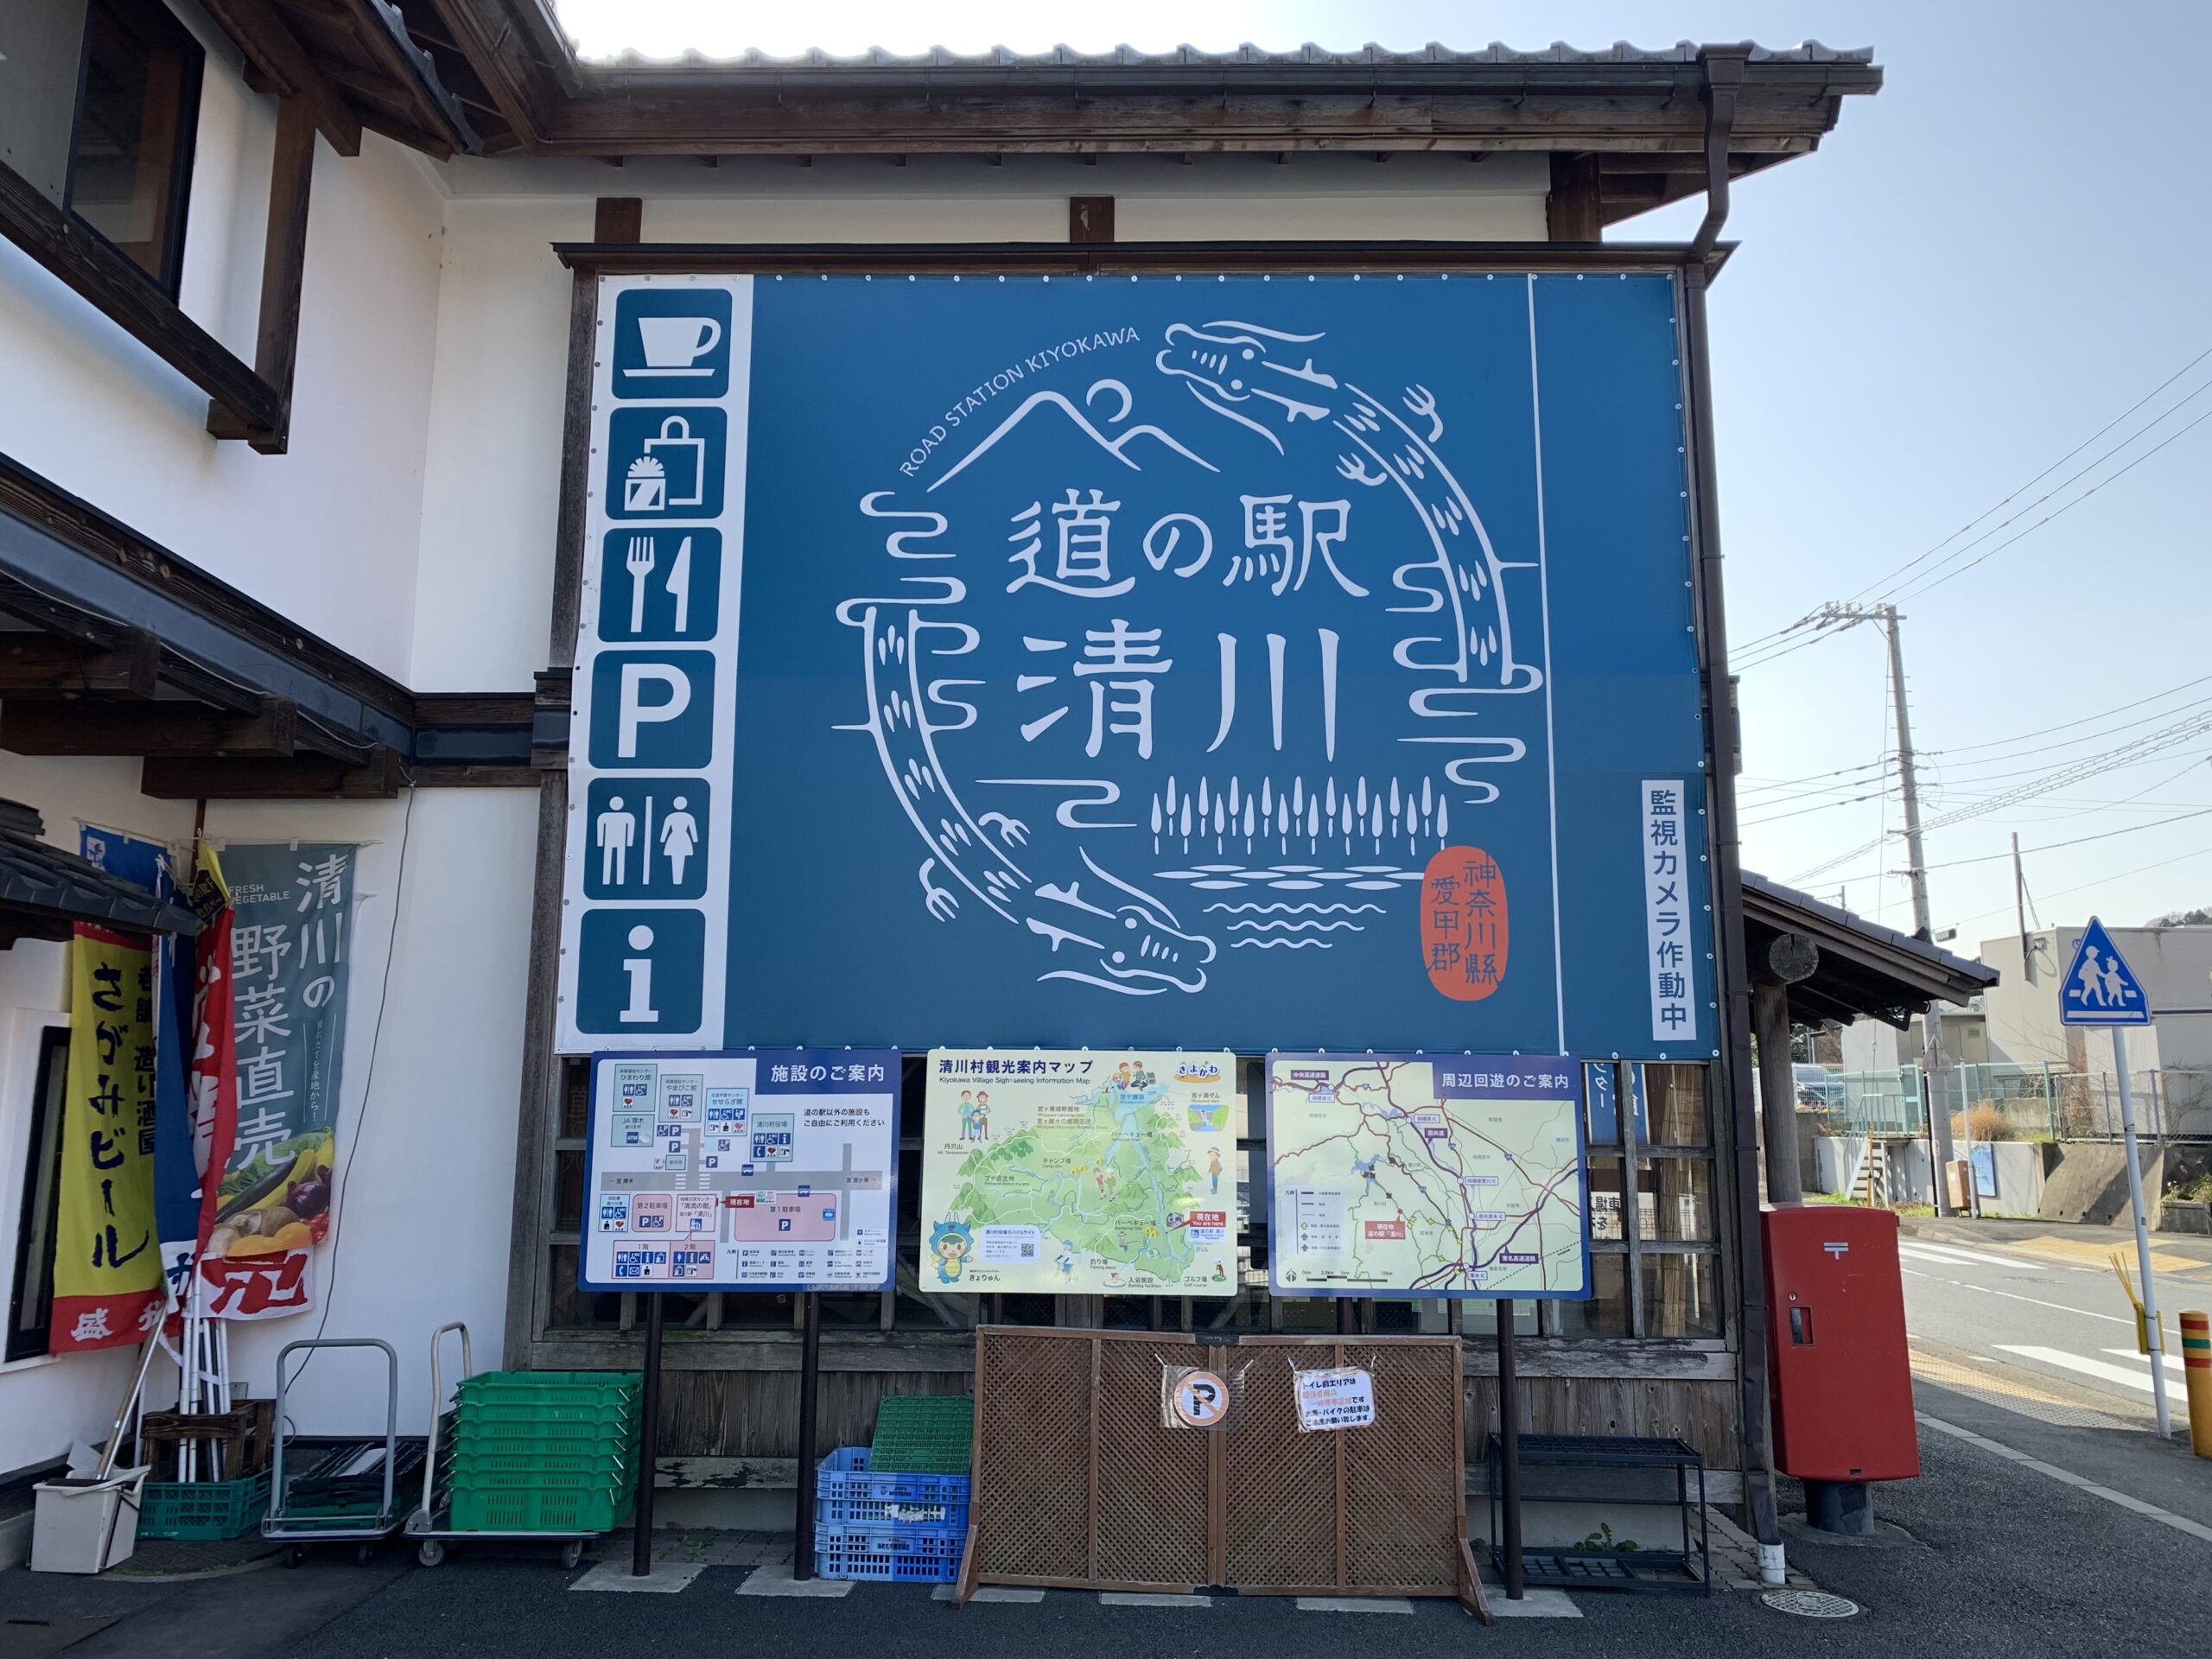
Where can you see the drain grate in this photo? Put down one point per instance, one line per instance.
(1810, 1604)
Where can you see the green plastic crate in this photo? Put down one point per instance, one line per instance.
(532, 1423)
(599, 1510)
(924, 1434)
(551, 1387)
(203, 1510)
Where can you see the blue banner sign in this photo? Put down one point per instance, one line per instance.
(1248, 662)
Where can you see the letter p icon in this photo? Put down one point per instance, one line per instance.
(635, 711)
(652, 708)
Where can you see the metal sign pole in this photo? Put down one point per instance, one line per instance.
(1509, 1453)
(641, 1519)
(2154, 1337)
(809, 1389)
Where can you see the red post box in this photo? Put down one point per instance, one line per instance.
(1842, 1375)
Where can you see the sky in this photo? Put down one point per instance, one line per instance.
(1917, 353)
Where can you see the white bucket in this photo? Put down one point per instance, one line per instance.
(84, 1525)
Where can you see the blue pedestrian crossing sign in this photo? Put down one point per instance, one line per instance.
(2099, 988)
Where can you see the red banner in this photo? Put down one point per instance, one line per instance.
(214, 1083)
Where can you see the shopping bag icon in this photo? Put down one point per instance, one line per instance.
(664, 463)
(674, 458)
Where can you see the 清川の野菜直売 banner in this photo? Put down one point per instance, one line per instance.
(1260, 662)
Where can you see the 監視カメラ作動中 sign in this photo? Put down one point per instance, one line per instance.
(1283, 662)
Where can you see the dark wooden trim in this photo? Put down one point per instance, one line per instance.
(530, 1264)
(173, 729)
(84, 529)
(305, 777)
(619, 218)
(284, 272)
(270, 47)
(1735, 1131)
(37, 666)
(1573, 208)
(128, 296)
(1058, 259)
(1090, 219)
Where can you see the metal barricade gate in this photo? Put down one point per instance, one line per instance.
(1080, 1485)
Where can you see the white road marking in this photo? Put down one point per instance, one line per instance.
(2067, 1362)
(2163, 1517)
(2015, 1296)
(2172, 1361)
(1952, 1253)
(778, 1581)
(1354, 1605)
(989, 1592)
(1123, 1598)
(667, 1577)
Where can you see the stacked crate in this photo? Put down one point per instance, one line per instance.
(893, 1525)
(553, 1451)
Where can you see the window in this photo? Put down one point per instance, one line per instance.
(1655, 1240)
(137, 110)
(30, 1304)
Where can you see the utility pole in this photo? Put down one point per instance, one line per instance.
(2020, 911)
(1845, 615)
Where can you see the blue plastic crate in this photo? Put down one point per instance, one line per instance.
(894, 1555)
(846, 1494)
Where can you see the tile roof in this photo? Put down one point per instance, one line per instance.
(1248, 55)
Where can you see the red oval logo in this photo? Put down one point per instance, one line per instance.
(1463, 923)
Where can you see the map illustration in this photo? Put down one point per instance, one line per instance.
(1451, 1176)
(769, 1170)
(1091, 1172)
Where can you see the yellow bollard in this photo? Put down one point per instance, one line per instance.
(2197, 1377)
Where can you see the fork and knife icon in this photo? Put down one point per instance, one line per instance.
(642, 555)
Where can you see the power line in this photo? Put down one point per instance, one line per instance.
(1750, 647)
(2054, 846)
(1961, 748)
(2143, 869)
(2151, 743)
(2057, 512)
(1769, 647)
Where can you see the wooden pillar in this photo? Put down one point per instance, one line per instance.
(1778, 1090)
(1090, 219)
(283, 273)
(1571, 210)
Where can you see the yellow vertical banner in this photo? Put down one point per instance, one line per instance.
(107, 1266)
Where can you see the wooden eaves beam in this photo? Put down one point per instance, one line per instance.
(33, 665)
(179, 729)
(286, 69)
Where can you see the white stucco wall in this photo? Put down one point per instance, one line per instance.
(327, 533)
(427, 1099)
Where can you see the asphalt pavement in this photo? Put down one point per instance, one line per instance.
(2048, 1520)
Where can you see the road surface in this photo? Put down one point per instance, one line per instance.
(2021, 1334)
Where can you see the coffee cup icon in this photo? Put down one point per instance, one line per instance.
(673, 345)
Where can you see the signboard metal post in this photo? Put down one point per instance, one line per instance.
(641, 1520)
(2154, 1335)
(2099, 989)
(1509, 1452)
(809, 1391)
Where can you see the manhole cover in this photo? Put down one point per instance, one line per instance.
(1810, 1604)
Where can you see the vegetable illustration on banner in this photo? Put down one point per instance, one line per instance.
(107, 1264)
(290, 949)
